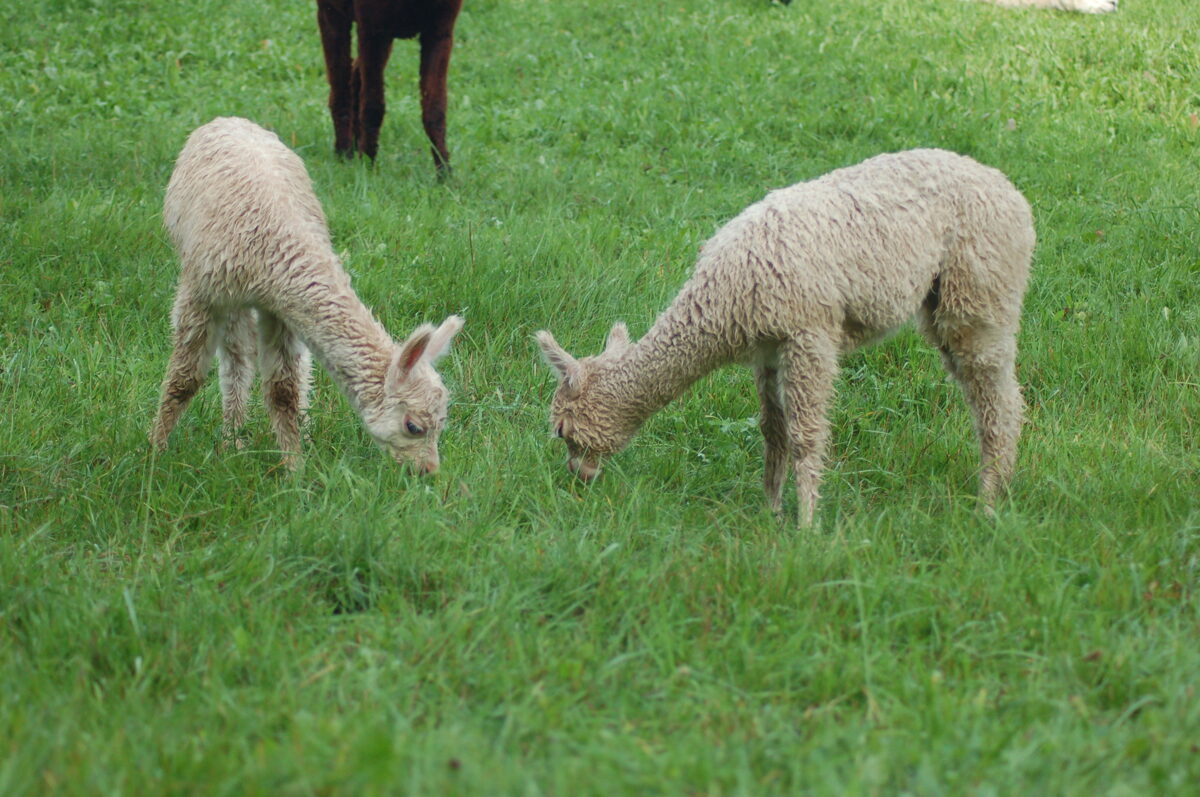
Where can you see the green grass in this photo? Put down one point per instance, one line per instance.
(204, 623)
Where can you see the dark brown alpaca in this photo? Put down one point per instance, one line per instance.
(356, 87)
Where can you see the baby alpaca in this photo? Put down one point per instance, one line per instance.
(257, 262)
(812, 272)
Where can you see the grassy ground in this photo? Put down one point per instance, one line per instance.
(204, 623)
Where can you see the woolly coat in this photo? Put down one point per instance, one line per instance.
(241, 211)
(852, 254)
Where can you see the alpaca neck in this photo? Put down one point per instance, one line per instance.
(681, 347)
(343, 335)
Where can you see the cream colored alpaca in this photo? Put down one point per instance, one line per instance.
(1086, 6)
(807, 274)
(259, 274)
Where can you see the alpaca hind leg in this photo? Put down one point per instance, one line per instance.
(809, 368)
(285, 366)
(435, 62)
(773, 423)
(373, 53)
(929, 330)
(236, 354)
(335, 22)
(984, 359)
(194, 343)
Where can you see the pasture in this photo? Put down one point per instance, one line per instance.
(206, 622)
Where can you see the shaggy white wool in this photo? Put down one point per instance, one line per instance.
(1086, 6)
(259, 275)
(814, 271)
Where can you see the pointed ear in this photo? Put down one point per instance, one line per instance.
(618, 339)
(406, 356)
(439, 342)
(566, 366)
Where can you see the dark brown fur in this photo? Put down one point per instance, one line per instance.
(356, 87)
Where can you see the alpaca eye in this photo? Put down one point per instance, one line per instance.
(413, 429)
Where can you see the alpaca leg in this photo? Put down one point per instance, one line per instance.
(373, 53)
(929, 330)
(355, 118)
(195, 340)
(285, 366)
(984, 358)
(435, 63)
(235, 354)
(773, 423)
(809, 367)
(335, 21)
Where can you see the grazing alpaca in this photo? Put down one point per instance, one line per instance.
(807, 274)
(356, 88)
(1086, 6)
(257, 262)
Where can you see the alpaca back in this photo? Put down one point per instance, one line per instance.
(860, 247)
(241, 210)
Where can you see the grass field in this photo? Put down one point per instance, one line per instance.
(208, 623)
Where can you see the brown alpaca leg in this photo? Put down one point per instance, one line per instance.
(435, 63)
(335, 22)
(373, 53)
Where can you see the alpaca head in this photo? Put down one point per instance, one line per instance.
(412, 413)
(585, 412)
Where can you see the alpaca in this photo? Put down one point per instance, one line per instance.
(257, 262)
(1085, 6)
(812, 272)
(356, 88)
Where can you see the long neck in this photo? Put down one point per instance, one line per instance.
(686, 342)
(343, 335)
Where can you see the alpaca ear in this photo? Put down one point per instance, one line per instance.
(618, 339)
(406, 356)
(439, 342)
(566, 366)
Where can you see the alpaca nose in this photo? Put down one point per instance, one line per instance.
(430, 465)
(582, 468)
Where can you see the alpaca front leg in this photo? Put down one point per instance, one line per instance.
(809, 367)
(284, 363)
(194, 345)
(773, 424)
(236, 354)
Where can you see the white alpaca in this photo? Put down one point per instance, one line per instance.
(807, 274)
(1086, 6)
(257, 262)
